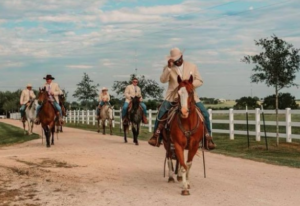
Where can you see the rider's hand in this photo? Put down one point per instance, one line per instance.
(170, 63)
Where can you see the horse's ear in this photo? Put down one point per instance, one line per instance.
(112, 107)
(191, 79)
(179, 80)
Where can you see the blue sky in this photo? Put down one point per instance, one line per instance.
(109, 39)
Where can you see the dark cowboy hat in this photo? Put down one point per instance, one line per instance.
(49, 76)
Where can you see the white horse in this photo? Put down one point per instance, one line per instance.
(30, 116)
(106, 113)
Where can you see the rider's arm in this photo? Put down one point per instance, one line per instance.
(108, 97)
(197, 82)
(165, 76)
(32, 95)
(21, 97)
(127, 93)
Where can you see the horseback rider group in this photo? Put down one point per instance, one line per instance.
(175, 66)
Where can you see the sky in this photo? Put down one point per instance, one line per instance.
(111, 39)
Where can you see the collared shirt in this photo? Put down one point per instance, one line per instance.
(180, 70)
(48, 87)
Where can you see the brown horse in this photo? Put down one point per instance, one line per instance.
(47, 115)
(62, 99)
(186, 130)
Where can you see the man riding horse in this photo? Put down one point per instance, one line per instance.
(133, 90)
(26, 96)
(103, 99)
(177, 66)
(53, 91)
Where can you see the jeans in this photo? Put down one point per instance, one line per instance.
(56, 105)
(166, 105)
(125, 107)
(22, 110)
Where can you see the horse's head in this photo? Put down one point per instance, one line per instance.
(42, 95)
(135, 102)
(186, 95)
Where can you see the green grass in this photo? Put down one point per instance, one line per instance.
(287, 154)
(10, 135)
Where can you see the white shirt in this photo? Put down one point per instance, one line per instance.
(180, 70)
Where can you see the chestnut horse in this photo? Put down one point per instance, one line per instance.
(47, 115)
(186, 130)
(134, 115)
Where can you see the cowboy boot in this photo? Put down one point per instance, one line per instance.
(208, 142)
(154, 140)
(144, 119)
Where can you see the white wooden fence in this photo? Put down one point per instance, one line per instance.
(89, 117)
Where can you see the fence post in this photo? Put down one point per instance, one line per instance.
(94, 119)
(150, 120)
(231, 125)
(210, 119)
(88, 116)
(78, 116)
(288, 126)
(113, 122)
(257, 124)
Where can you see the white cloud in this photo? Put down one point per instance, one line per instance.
(84, 67)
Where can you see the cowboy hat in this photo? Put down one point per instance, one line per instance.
(28, 85)
(104, 89)
(175, 54)
(48, 76)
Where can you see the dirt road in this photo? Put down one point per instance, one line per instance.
(86, 168)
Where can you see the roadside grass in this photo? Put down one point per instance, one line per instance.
(10, 135)
(287, 154)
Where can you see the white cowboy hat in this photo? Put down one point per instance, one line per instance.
(28, 85)
(175, 54)
(104, 88)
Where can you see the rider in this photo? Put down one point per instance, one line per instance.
(53, 92)
(177, 66)
(133, 90)
(103, 99)
(26, 95)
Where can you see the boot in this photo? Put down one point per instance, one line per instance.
(154, 140)
(144, 119)
(208, 142)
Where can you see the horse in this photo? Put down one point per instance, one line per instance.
(30, 115)
(106, 114)
(61, 98)
(47, 115)
(134, 115)
(186, 130)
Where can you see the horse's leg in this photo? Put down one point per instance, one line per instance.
(193, 148)
(170, 166)
(134, 133)
(52, 132)
(179, 174)
(47, 134)
(103, 126)
(180, 155)
(110, 126)
(24, 127)
(29, 127)
(137, 134)
(125, 127)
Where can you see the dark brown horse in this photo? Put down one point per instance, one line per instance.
(134, 115)
(62, 99)
(47, 115)
(186, 130)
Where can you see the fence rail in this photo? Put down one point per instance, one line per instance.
(89, 117)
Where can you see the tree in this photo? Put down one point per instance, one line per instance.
(148, 87)
(276, 66)
(85, 90)
(285, 100)
(251, 103)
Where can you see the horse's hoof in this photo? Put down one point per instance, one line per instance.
(189, 187)
(48, 145)
(171, 179)
(185, 192)
(98, 131)
(136, 143)
(179, 179)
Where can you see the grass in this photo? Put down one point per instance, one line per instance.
(10, 135)
(287, 154)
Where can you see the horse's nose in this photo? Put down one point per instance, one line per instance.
(184, 112)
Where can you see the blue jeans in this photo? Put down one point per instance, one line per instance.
(125, 107)
(166, 105)
(56, 105)
(22, 110)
